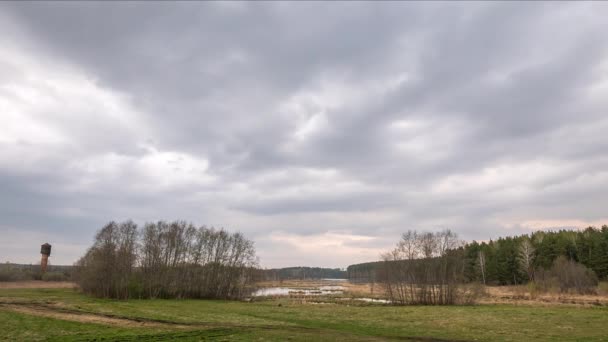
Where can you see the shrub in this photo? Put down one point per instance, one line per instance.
(16, 273)
(54, 276)
(568, 276)
(5, 276)
(602, 288)
(470, 293)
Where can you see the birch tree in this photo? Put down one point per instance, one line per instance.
(525, 257)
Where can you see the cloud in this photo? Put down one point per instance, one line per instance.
(301, 124)
(346, 248)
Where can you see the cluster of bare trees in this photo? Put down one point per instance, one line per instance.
(166, 260)
(424, 268)
(567, 276)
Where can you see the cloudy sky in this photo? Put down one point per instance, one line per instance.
(320, 130)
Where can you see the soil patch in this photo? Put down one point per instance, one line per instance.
(45, 311)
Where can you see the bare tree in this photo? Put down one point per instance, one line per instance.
(525, 257)
(167, 260)
(424, 268)
(568, 275)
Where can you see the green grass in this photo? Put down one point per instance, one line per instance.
(266, 320)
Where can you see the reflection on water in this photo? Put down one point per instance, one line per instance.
(372, 300)
(320, 290)
(285, 291)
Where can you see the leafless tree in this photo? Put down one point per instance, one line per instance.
(568, 276)
(424, 268)
(167, 260)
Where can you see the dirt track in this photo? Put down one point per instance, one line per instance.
(58, 311)
(85, 317)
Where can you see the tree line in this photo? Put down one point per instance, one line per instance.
(20, 272)
(524, 258)
(166, 260)
(425, 267)
(516, 260)
(301, 273)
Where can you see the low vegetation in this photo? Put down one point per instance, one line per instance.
(66, 315)
(17, 272)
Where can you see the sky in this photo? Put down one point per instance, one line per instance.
(322, 131)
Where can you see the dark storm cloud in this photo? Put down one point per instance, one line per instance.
(318, 119)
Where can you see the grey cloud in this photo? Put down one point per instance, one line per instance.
(491, 89)
(314, 204)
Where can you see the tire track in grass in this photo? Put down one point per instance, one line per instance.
(62, 313)
(189, 330)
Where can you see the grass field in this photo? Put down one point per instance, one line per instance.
(65, 315)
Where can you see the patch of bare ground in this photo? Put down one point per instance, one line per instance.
(59, 311)
(37, 284)
(75, 316)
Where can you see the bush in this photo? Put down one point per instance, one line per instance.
(470, 293)
(54, 276)
(568, 276)
(602, 288)
(534, 289)
(5, 276)
(12, 273)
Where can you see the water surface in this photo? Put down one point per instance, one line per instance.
(286, 291)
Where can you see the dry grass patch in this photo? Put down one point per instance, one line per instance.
(525, 294)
